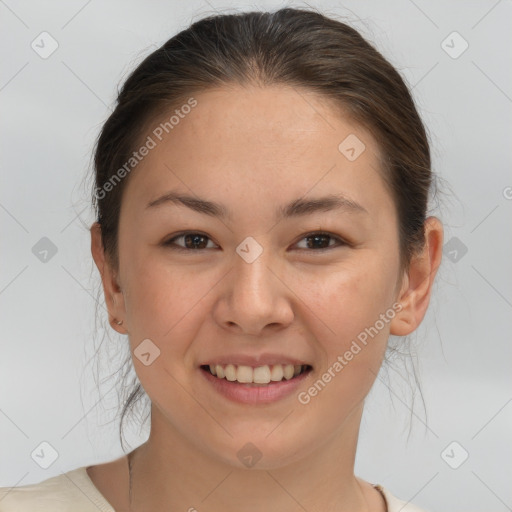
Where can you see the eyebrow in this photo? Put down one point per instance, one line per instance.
(296, 208)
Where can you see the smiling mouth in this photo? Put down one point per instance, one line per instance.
(265, 374)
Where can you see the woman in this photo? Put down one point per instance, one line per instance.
(261, 190)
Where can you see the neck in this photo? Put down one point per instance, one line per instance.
(169, 471)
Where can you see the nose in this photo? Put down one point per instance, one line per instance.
(254, 298)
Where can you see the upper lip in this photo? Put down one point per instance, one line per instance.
(254, 361)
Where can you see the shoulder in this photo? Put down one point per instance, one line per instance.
(396, 505)
(73, 491)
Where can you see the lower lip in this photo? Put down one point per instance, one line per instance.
(255, 393)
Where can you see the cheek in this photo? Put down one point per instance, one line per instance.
(164, 306)
(348, 326)
(352, 298)
(161, 296)
(353, 311)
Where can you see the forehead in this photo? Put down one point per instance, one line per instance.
(260, 143)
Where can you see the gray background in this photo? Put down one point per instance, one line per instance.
(52, 109)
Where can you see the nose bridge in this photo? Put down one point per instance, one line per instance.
(255, 296)
(253, 281)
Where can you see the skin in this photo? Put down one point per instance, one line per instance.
(252, 149)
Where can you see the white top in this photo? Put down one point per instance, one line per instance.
(74, 491)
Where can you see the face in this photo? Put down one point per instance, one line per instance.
(272, 281)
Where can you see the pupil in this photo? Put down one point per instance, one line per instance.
(195, 239)
(316, 238)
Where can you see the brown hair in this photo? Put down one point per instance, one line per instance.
(295, 47)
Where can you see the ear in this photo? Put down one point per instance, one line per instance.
(417, 282)
(114, 297)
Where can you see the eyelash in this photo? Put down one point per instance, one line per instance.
(170, 243)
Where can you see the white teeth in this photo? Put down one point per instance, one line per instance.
(244, 374)
(288, 371)
(277, 373)
(259, 375)
(230, 372)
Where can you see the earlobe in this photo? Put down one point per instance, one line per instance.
(417, 285)
(114, 298)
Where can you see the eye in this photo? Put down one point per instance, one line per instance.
(194, 241)
(319, 240)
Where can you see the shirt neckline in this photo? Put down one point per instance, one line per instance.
(101, 501)
(95, 495)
